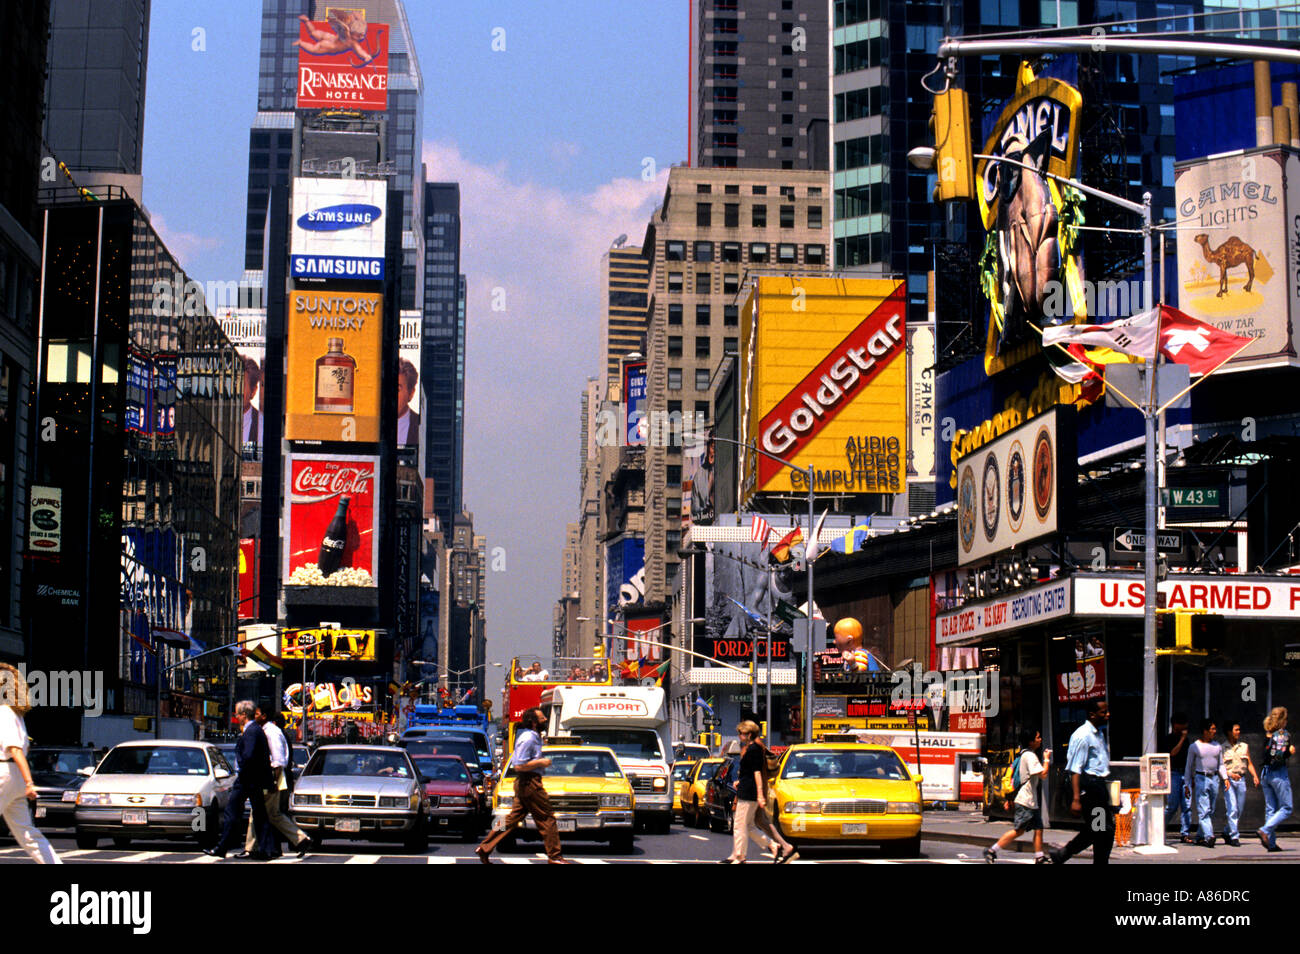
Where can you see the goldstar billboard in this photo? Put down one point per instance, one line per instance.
(333, 349)
(824, 384)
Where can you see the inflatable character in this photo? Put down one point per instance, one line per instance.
(848, 640)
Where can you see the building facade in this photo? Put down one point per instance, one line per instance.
(442, 354)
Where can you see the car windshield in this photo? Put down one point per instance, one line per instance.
(437, 769)
(682, 771)
(360, 762)
(478, 739)
(626, 743)
(845, 763)
(154, 760)
(706, 770)
(581, 765)
(459, 747)
(63, 761)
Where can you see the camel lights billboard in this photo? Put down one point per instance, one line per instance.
(1239, 249)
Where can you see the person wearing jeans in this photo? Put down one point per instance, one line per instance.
(1236, 762)
(1203, 775)
(16, 784)
(1276, 779)
(1178, 804)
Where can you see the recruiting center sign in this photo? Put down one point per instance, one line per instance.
(824, 378)
(1034, 605)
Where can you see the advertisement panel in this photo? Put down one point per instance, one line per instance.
(45, 520)
(332, 504)
(138, 395)
(164, 394)
(334, 341)
(329, 697)
(1025, 608)
(1238, 247)
(824, 383)
(920, 402)
(246, 329)
(357, 645)
(652, 627)
(734, 576)
(1104, 594)
(337, 228)
(248, 553)
(408, 382)
(636, 389)
(1016, 488)
(1080, 669)
(697, 490)
(624, 574)
(342, 62)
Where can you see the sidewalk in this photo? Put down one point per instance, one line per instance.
(969, 827)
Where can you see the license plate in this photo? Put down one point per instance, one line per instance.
(40, 811)
(348, 824)
(135, 818)
(853, 828)
(566, 824)
(442, 821)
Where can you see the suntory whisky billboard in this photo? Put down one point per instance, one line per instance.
(333, 383)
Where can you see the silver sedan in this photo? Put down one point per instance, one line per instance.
(361, 793)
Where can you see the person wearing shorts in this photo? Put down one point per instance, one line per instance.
(1029, 798)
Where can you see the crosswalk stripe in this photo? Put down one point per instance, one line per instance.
(141, 856)
(363, 859)
(697, 837)
(442, 860)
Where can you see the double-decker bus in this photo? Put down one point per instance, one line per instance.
(530, 676)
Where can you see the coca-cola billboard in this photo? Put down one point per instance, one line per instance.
(331, 507)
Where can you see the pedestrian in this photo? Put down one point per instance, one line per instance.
(1088, 762)
(1029, 798)
(530, 796)
(751, 798)
(1202, 777)
(1178, 804)
(278, 746)
(785, 851)
(1236, 762)
(16, 785)
(252, 779)
(1276, 778)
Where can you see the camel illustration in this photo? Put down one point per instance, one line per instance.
(1230, 254)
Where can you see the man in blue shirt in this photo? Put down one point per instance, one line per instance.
(1088, 762)
(530, 797)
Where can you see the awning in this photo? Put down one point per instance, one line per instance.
(710, 676)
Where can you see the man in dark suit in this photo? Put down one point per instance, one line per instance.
(252, 779)
(408, 422)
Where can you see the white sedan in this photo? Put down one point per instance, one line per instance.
(155, 789)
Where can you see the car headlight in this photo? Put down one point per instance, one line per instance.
(94, 798)
(181, 801)
(803, 808)
(903, 808)
(660, 782)
(505, 801)
(299, 800)
(479, 789)
(69, 796)
(470, 800)
(392, 801)
(616, 801)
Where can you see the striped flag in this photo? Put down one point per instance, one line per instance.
(760, 531)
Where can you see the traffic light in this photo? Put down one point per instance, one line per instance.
(1188, 632)
(953, 164)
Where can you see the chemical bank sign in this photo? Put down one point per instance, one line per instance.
(338, 229)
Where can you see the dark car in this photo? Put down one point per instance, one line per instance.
(451, 802)
(54, 770)
(459, 746)
(720, 794)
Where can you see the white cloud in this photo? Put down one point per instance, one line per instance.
(184, 246)
(527, 364)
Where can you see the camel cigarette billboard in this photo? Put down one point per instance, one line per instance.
(1239, 249)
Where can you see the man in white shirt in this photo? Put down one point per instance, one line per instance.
(279, 766)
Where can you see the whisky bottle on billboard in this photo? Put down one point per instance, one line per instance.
(336, 536)
(335, 375)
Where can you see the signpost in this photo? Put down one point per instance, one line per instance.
(1129, 540)
(1189, 496)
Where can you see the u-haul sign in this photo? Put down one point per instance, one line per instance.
(613, 707)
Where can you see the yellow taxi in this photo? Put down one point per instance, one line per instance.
(694, 810)
(681, 770)
(590, 796)
(848, 793)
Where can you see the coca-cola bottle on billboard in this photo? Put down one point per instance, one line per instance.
(331, 547)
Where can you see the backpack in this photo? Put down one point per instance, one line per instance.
(1016, 781)
(1276, 749)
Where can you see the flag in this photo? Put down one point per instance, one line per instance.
(658, 672)
(781, 550)
(264, 657)
(1200, 346)
(787, 611)
(853, 540)
(759, 531)
(1135, 336)
(699, 701)
(468, 692)
(811, 550)
(749, 612)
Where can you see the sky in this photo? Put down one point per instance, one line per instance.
(551, 139)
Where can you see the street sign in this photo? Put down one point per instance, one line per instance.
(799, 643)
(1130, 540)
(1189, 496)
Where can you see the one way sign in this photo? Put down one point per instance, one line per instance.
(1130, 540)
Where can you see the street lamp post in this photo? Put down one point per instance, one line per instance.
(923, 158)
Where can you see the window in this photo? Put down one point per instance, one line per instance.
(724, 47)
(731, 315)
(760, 190)
(731, 189)
(674, 379)
(674, 251)
(787, 216)
(703, 283)
(703, 214)
(731, 215)
(724, 140)
(701, 412)
(787, 96)
(759, 217)
(724, 71)
(814, 190)
(814, 216)
(724, 94)
(675, 282)
(701, 379)
(787, 119)
(730, 284)
(787, 142)
(675, 313)
(702, 346)
(731, 251)
(674, 471)
(704, 251)
(814, 254)
(674, 507)
(731, 346)
(724, 117)
(758, 251)
(787, 253)
(673, 541)
(703, 188)
(702, 313)
(675, 413)
(674, 346)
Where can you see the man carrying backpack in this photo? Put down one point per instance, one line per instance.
(1027, 778)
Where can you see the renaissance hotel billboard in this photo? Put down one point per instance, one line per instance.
(337, 229)
(823, 363)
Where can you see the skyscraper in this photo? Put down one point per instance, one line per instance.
(627, 285)
(442, 356)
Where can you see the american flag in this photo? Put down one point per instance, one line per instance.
(759, 531)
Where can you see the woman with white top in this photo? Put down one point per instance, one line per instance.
(1028, 800)
(16, 785)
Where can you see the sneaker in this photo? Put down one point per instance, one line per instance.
(990, 856)
(1045, 860)
(1057, 856)
(1235, 843)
